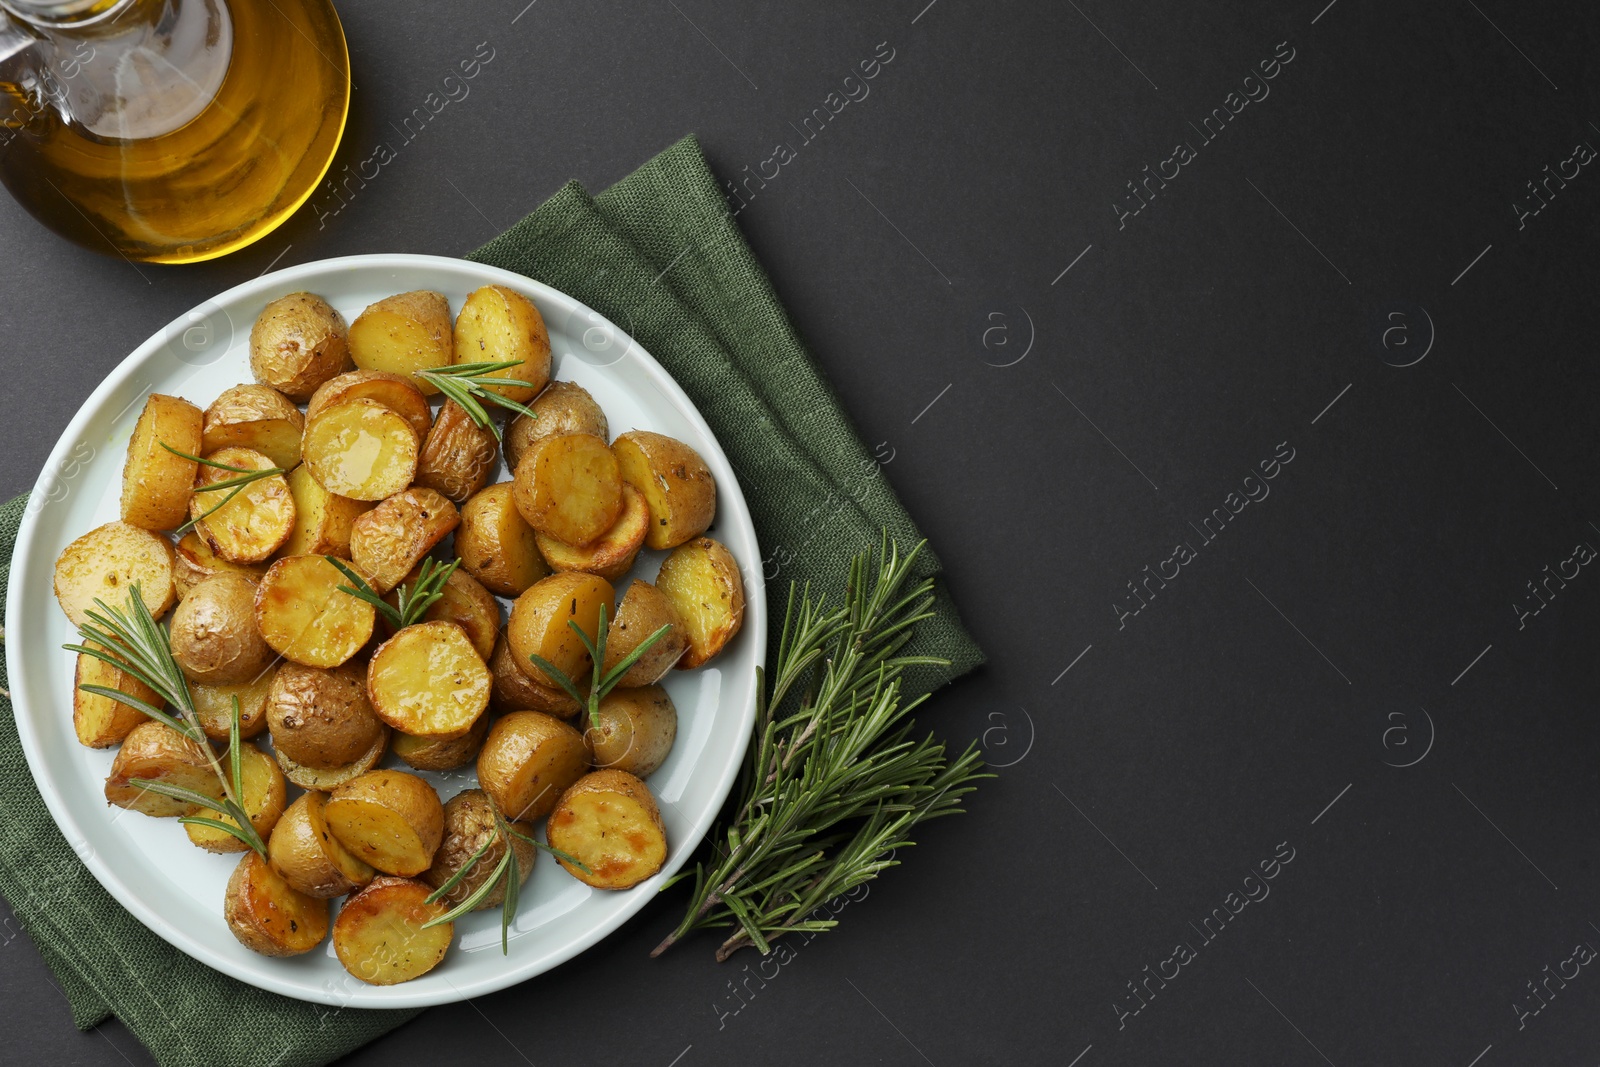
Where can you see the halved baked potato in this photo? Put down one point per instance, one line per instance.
(458, 456)
(428, 681)
(538, 624)
(389, 819)
(636, 730)
(468, 826)
(156, 485)
(193, 561)
(309, 857)
(569, 487)
(643, 611)
(106, 562)
(245, 524)
(304, 615)
(270, 916)
(403, 334)
(392, 538)
(297, 343)
(702, 582)
(322, 719)
(257, 417)
(612, 554)
(214, 704)
(360, 449)
(394, 391)
(609, 822)
(265, 796)
(213, 634)
(495, 543)
(156, 751)
(99, 721)
(379, 935)
(322, 520)
(564, 407)
(675, 482)
(527, 762)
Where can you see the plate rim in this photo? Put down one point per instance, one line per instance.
(730, 497)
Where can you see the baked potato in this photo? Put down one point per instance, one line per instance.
(379, 935)
(193, 561)
(636, 730)
(322, 520)
(213, 704)
(99, 721)
(403, 334)
(701, 581)
(675, 481)
(538, 624)
(515, 691)
(327, 779)
(309, 857)
(428, 680)
(495, 543)
(458, 455)
(468, 826)
(322, 719)
(265, 795)
(270, 916)
(463, 601)
(564, 407)
(360, 449)
(298, 342)
(257, 417)
(569, 487)
(247, 524)
(108, 560)
(156, 751)
(497, 324)
(392, 538)
(394, 391)
(391, 820)
(527, 762)
(214, 637)
(302, 613)
(156, 485)
(643, 611)
(612, 554)
(609, 822)
(442, 754)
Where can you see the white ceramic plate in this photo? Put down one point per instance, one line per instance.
(148, 864)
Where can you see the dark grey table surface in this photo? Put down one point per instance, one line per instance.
(1268, 484)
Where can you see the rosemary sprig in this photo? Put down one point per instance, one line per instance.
(599, 683)
(470, 384)
(131, 641)
(834, 783)
(246, 476)
(413, 600)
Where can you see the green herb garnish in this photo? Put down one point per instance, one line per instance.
(599, 683)
(246, 476)
(414, 599)
(472, 384)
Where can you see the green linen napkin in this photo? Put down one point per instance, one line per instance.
(660, 255)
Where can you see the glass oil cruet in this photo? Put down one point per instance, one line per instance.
(168, 131)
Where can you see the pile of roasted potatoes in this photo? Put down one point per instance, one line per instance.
(379, 474)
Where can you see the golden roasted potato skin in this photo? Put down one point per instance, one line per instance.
(527, 761)
(193, 561)
(304, 616)
(464, 601)
(321, 718)
(497, 324)
(326, 780)
(265, 795)
(257, 417)
(468, 826)
(612, 554)
(360, 449)
(495, 543)
(156, 485)
(322, 520)
(442, 754)
(397, 392)
(392, 538)
(389, 819)
(214, 705)
(636, 730)
(515, 691)
(378, 935)
(156, 751)
(702, 582)
(298, 342)
(569, 487)
(564, 407)
(309, 857)
(99, 721)
(270, 916)
(428, 681)
(213, 635)
(538, 624)
(403, 334)
(643, 611)
(458, 456)
(675, 481)
(609, 821)
(249, 527)
(105, 562)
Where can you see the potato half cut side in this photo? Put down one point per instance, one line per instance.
(270, 916)
(155, 751)
(564, 407)
(251, 525)
(214, 705)
(360, 449)
(442, 754)
(389, 819)
(702, 582)
(538, 624)
(393, 391)
(403, 334)
(194, 561)
(304, 616)
(468, 826)
(100, 721)
(156, 484)
(322, 520)
(497, 324)
(309, 857)
(496, 545)
(265, 796)
(379, 935)
(297, 343)
(257, 417)
(429, 681)
(610, 823)
(458, 455)
(569, 487)
(389, 540)
(108, 560)
(643, 611)
(675, 481)
(527, 762)
(612, 554)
